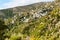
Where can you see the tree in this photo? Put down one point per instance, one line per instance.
(2, 29)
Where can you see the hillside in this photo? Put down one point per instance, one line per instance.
(27, 9)
(39, 21)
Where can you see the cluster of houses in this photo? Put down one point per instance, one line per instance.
(32, 15)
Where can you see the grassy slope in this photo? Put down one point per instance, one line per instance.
(43, 28)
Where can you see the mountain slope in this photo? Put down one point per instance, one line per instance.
(40, 21)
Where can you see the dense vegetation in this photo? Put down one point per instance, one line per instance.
(39, 24)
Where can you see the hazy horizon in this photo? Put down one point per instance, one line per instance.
(13, 3)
